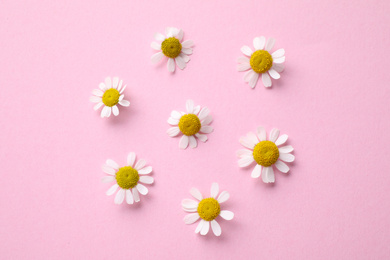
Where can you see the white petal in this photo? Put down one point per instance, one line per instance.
(129, 197)
(120, 196)
(282, 166)
(108, 82)
(205, 228)
(183, 143)
(146, 179)
(180, 62)
(112, 164)
(274, 134)
(245, 161)
(216, 228)
(156, 46)
(145, 170)
(256, 171)
(224, 196)
(252, 137)
(204, 112)
(191, 218)
(286, 149)
(196, 110)
(108, 112)
(159, 37)
(281, 140)
(173, 131)
(261, 133)
(270, 44)
(274, 74)
(207, 120)
(196, 194)
(140, 164)
(243, 60)
(142, 189)
(171, 65)
(131, 159)
(97, 92)
(226, 214)
(104, 111)
(157, 57)
(266, 80)
(214, 190)
(120, 92)
(107, 169)
(286, 157)
(206, 129)
(98, 105)
(200, 225)
(244, 152)
(95, 99)
(279, 60)
(175, 114)
(124, 103)
(247, 142)
(243, 66)
(115, 110)
(259, 42)
(248, 75)
(278, 67)
(190, 106)
(186, 50)
(253, 80)
(107, 179)
(179, 35)
(173, 121)
(246, 50)
(102, 86)
(187, 44)
(268, 175)
(112, 190)
(277, 54)
(185, 57)
(189, 204)
(192, 141)
(115, 81)
(135, 195)
(201, 137)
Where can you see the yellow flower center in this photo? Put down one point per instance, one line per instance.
(171, 47)
(127, 177)
(189, 124)
(261, 61)
(209, 209)
(266, 153)
(111, 97)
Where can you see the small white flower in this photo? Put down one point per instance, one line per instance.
(261, 62)
(128, 179)
(265, 153)
(109, 95)
(208, 209)
(173, 48)
(193, 124)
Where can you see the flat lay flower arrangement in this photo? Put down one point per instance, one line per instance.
(191, 124)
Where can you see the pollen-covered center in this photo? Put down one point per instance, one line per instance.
(261, 61)
(189, 124)
(171, 47)
(111, 97)
(127, 177)
(266, 153)
(209, 209)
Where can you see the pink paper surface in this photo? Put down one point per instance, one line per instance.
(332, 101)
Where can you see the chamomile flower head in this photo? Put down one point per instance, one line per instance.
(260, 62)
(109, 95)
(173, 48)
(129, 179)
(207, 210)
(266, 153)
(194, 123)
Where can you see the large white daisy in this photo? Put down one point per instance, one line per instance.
(265, 153)
(172, 47)
(206, 209)
(194, 123)
(128, 179)
(110, 95)
(260, 62)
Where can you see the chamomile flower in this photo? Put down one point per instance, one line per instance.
(260, 62)
(172, 47)
(265, 153)
(206, 209)
(109, 95)
(128, 179)
(194, 123)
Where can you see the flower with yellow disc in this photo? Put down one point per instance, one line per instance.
(206, 209)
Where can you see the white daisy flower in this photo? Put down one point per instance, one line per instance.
(193, 124)
(208, 209)
(265, 153)
(173, 48)
(261, 62)
(128, 179)
(109, 95)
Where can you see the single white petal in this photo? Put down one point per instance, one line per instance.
(157, 57)
(102, 86)
(120, 86)
(243, 66)
(278, 67)
(187, 44)
(268, 175)
(146, 179)
(207, 120)
(124, 103)
(247, 142)
(266, 80)
(131, 159)
(190, 106)
(244, 152)
(108, 112)
(179, 35)
(282, 166)
(145, 170)
(107, 169)
(135, 195)
(129, 197)
(252, 137)
(159, 37)
(175, 114)
(253, 80)
(256, 171)
(140, 164)
(192, 141)
(97, 92)
(259, 43)
(201, 137)
(186, 50)
(115, 110)
(216, 228)
(95, 99)
(279, 60)
(142, 189)
(115, 81)
(196, 109)
(173, 121)
(261, 133)
(112, 190)
(281, 140)
(196, 194)
(108, 82)
(120, 196)
(98, 105)
(171, 65)
(277, 54)
(185, 57)
(189, 204)
(191, 218)
(224, 196)
(183, 142)
(205, 228)
(274, 74)
(246, 50)
(206, 129)
(286, 157)
(104, 111)
(274, 134)
(120, 92)
(200, 225)
(180, 62)
(245, 161)
(173, 131)
(203, 113)
(248, 75)
(214, 190)
(107, 179)
(156, 46)
(270, 44)
(286, 149)
(243, 60)
(226, 214)
(112, 164)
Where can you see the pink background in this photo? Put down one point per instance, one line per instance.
(332, 100)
